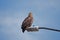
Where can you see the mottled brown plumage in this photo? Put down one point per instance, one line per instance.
(27, 22)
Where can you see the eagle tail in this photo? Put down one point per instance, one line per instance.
(23, 30)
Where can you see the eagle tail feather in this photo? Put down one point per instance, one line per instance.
(23, 30)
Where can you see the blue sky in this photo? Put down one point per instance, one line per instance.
(45, 12)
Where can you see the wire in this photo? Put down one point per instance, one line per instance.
(49, 29)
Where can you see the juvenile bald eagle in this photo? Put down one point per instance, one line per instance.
(27, 22)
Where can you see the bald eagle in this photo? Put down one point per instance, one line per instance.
(27, 22)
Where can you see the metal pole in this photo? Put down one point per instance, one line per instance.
(49, 29)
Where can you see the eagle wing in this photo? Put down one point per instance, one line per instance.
(27, 22)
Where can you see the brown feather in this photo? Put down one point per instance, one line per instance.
(27, 22)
